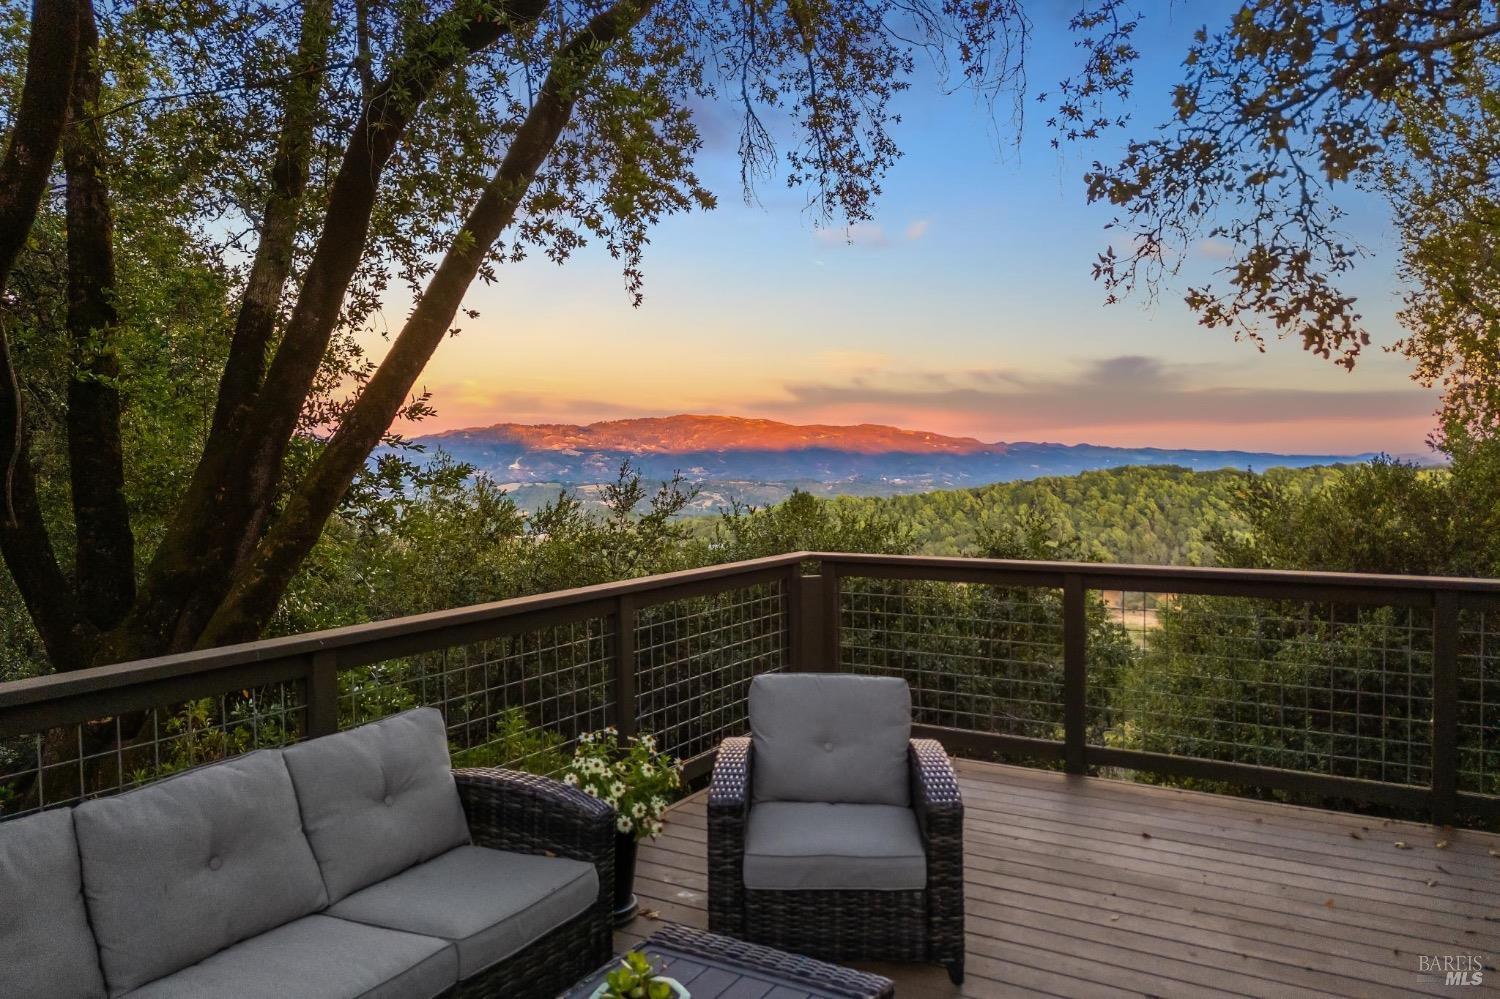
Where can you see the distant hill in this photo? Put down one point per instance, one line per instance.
(762, 460)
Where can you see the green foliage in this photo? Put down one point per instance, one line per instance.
(803, 522)
(635, 979)
(1155, 515)
(516, 744)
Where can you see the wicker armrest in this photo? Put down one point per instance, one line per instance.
(728, 814)
(509, 810)
(730, 790)
(940, 814)
(934, 788)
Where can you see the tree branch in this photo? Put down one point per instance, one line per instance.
(105, 545)
(258, 586)
(260, 306)
(225, 507)
(51, 55)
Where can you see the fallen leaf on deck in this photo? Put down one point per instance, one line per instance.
(1401, 845)
(1354, 835)
(1145, 835)
(649, 914)
(1432, 884)
(1329, 903)
(1441, 844)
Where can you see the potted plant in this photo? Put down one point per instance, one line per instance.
(635, 979)
(639, 782)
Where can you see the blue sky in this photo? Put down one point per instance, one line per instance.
(966, 307)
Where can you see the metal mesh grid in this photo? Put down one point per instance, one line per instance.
(983, 658)
(695, 659)
(1330, 689)
(66, 765)
(520, 701)
(1479, 702)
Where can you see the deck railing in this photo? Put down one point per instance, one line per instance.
(1339, 688)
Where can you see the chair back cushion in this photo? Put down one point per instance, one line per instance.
(183, 868)
(833, 737)
(378, 799)
(46, 948)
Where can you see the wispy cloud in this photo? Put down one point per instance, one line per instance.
(1121, 391)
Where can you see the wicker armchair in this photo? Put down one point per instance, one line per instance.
(529, 814)
(920, 921)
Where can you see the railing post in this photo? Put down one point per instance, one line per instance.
(625, 703)
(1444, 706)
(323, 694)
(830, 617)
(1075, 675)
(804, 612)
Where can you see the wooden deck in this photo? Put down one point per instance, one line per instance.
(1082, 887)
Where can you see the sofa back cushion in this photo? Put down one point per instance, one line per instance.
(183, 868)
(378, 799)
(46, 948)
(833, 737)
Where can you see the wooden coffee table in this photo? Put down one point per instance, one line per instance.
(715, 967)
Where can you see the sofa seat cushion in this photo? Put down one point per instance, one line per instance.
(317, 957)
(830, 737)
(46, 948)
(808, 845)
(378, 799)
(180, 869)
(489, 903)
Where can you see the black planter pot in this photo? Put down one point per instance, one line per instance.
(625, 901)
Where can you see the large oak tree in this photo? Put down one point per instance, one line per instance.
(296, 159)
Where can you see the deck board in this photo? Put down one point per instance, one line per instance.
(1079, 886)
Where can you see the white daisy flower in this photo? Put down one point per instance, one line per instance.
(647, 770)
(589, 790)
(624, 824)
(617, 789)
(638, 809)
(570, 779)
(658, 804)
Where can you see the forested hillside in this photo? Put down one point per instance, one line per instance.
(1154, 514)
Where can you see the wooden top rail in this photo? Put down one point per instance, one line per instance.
(359, 644)
(1290, 583)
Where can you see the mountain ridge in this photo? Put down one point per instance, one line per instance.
(730, 457)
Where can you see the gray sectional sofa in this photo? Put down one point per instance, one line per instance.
(354, 866)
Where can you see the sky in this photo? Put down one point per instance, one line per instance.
(966, 307)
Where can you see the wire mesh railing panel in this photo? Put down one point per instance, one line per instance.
(695, 659)
(1479, 702)
(980, 658)
(519, 701)
(72, 763)
(1342, 690)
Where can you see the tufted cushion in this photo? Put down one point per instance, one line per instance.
(489, 903)
(808, 845)
(46, 948)
(178, 870)
(378, 799)
(833, 737)
(317, 956)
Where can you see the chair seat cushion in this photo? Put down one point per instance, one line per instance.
(46, 948)
(317, 957)
(792, 845)
(489, 903)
